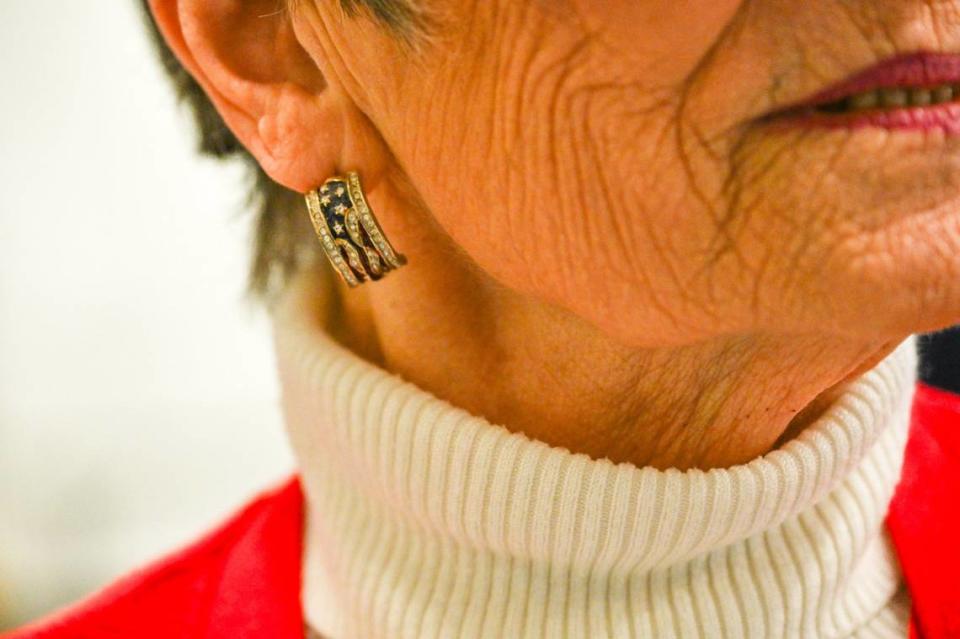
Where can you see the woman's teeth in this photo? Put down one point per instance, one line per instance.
(894, 98)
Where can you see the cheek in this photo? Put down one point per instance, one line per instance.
(553, 163)
(590, 208)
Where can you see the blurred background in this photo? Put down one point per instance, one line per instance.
(138, 404)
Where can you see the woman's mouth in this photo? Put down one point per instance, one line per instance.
(918, 91)
(892, 98)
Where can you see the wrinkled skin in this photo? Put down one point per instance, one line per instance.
(607, 156)
(603, 169)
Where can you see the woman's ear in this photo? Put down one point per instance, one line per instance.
(246, 56)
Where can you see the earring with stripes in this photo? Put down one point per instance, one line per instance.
(349, 232)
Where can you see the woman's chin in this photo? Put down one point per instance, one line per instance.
(910, 287)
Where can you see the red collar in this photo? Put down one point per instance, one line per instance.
(924, 517)
(239, 582)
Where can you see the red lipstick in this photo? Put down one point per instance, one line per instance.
(917, 91)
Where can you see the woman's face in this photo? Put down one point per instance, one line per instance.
(617, 157)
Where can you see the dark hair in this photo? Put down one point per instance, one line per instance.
(402, 17)
(282, 238)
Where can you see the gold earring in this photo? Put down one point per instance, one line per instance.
(349, 232)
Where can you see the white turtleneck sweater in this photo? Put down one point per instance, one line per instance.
(426, 521)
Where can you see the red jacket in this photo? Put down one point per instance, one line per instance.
(243, 580)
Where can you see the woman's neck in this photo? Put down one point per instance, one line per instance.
(536, 369)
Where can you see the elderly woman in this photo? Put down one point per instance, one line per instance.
(605, 330)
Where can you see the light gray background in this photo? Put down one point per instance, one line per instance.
(138, 403)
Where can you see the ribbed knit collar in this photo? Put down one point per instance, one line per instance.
(426, 521)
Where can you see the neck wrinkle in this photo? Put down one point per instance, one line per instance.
(387, 465)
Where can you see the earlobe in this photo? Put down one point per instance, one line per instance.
(248, 60)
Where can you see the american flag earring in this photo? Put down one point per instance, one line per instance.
(349, 232)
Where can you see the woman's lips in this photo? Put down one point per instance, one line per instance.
(917, 91)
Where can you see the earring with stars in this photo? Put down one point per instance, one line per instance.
(349, 232)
